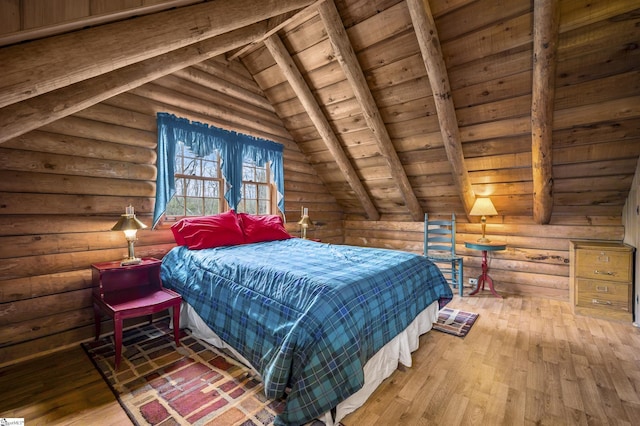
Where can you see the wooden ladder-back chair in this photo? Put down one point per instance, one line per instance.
(440, 248)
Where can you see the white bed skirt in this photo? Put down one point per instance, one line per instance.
(378, 368)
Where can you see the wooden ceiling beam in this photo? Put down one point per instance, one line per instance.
(427, 33)
(90, 21)
(43, 65)
(30, 114)
(279, 23)
(346, 56)
(546, 21)
(304, 94)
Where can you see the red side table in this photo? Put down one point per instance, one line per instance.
(131, 291)
(484, 276)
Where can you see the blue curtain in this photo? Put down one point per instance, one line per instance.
(202, 139)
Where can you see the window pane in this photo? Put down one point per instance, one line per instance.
(263, 192)
(263, 207)
(211, 188)
(261, 174)
(179, 186)
(250, 206)
(250, 191)
(179, 163)
(191, 167)
(211, 206)
(210, 169)
(194, 187)
(194, 206)
(248, 173)
(175, 207)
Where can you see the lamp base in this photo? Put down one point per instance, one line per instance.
(130, 261)
(484, 240)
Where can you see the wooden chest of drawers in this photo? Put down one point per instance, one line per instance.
(601, 279)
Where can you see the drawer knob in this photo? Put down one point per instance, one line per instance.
(600, 302)
(598, 272)
(602, 289)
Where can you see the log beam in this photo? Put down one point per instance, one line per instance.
(546, 19)
(425, 28)
(299, 16)
(40, 66)
(302, 90)
(32, 113)
(346, 56)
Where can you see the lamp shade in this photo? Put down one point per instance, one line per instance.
(483, 207)
(127, 223)
(305, 221)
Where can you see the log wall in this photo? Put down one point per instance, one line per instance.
(535, 263)
(64, 185)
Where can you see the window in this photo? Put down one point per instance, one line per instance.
(229, 171)
(256, 189)
(199, 183)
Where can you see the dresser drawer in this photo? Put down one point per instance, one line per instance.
(603, 265)
(603, 294)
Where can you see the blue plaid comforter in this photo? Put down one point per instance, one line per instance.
(306, 315)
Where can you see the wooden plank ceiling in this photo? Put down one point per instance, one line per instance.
(401, 106)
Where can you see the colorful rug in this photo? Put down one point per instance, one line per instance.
(455, 321)
(196, 384)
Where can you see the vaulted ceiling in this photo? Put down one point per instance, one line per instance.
(401, 106)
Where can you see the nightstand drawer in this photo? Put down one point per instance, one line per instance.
(603, 265)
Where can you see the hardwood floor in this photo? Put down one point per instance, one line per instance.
(62, 388)
(525, 361)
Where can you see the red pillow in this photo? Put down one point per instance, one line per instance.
(183, 223)
(208, 231)
(263, 228)
(176, 228)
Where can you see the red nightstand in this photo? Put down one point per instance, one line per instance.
(131, 291)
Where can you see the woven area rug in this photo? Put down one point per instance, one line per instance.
(455, 321)
(196, 384)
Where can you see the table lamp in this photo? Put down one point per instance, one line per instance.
(483, 207)
(304, 222)
(130, 225)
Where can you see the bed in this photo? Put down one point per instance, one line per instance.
(307, 316)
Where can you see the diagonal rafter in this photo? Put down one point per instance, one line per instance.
(90, 79)
(346, 56)
(427, 33)
(302, 90)
(546, 18)
(30, 114)
(284, 21)
(43, 65)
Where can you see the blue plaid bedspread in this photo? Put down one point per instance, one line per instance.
(306, 315)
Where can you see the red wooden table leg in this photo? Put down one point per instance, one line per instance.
(96, 315)
(486, 277)
(117, 334)
(176, 323)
